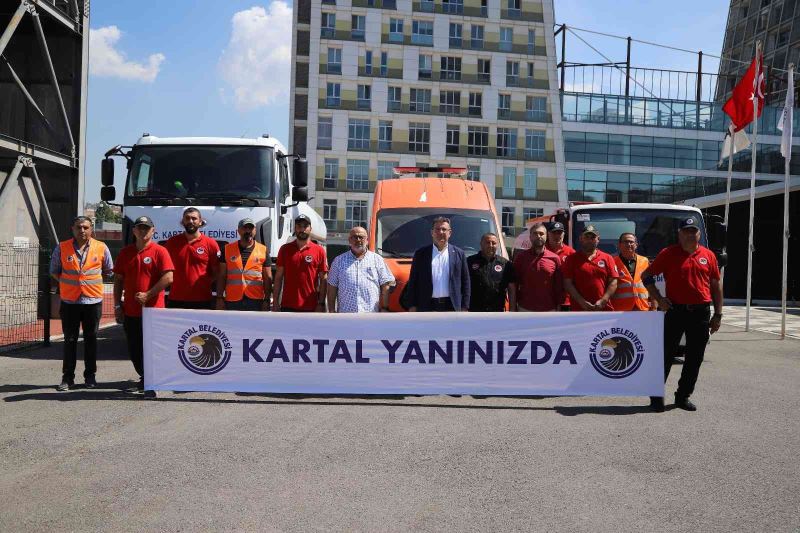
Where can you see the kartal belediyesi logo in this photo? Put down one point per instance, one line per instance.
(205, 349)
(616, 353)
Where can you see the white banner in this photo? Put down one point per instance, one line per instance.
(603, 353)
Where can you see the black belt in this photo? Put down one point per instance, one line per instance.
(692, 307)
(445, 300)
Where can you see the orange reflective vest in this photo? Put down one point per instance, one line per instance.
(631, 294)
(246, 280)
(76, 280)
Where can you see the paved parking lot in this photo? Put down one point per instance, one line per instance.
(107, 460)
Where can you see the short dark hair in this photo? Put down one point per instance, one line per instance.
(537, 225)
(628, 233)
(489, 234)
(82, 218)
(192, 210)
(440, 220)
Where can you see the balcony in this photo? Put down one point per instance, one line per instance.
(400, 38)
(327, 33)
(377, 4)
(452, 8)
(330, 68)
(357, 35)
(364, 104)
(422, 39)
(518, 14)
(524, 116)
(519, 193)
(342, 185)
(448, 9)
(424, 7)
(526, 82)
(381, 72)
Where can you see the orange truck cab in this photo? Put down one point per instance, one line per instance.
(403, 210)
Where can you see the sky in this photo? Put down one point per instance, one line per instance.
(222, 68)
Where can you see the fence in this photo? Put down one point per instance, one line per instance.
(25, 297)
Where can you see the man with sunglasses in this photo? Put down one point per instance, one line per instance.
(693, 284)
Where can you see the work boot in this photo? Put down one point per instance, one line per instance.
(685, 404)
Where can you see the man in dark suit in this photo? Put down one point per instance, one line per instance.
(439, 279)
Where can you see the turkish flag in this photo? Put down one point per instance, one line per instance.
(740, 105)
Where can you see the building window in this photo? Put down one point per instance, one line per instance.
(394, 99)
(425, 66)
(477, 140)
(476, 37)
(329, 212)
(509, 182)
(475, 104)
(331, 173)
(333, 92)
(531, 41)
(507, 219)
(384, 63)
(450, 68)
(534, 144)
(359, 23)
(334, 60)
(364, 97)
(358, 134)
(512, 73)
(385, 135)
(453, 6)
(396, 30)
(422, 32)
(386, 169)
(506, 142)
(357, 174)
(503, 105)
(485, 70)
(324, 133)
(450, 102)
(328, 26)
(536, 108)
(473, 173)
(531, 212)
(368, 62)
(420, 101)
(452, 141)
(455, 35)
(419, 137)
(355, 213)
(529, 183)
(506, 39)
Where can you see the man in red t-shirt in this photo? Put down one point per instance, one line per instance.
(693, 283)
(301, 273)
(590, 275)
(555, 243)
(538, 272)
(196, 260)
(141, 273)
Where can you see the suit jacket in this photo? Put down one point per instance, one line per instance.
(419, 290)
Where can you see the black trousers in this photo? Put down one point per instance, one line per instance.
(133, 333)
(73, 317)
(183, 304)
(441, 305)
(693, 321)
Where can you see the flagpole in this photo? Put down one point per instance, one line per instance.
(728, 188)
(756, 89)
(787, 123)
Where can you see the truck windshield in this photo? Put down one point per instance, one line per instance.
(201, 172)
(400, 232)
(655, 229)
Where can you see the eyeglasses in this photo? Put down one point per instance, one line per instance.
(359, 237)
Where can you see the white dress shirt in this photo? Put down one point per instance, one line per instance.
(440, 273)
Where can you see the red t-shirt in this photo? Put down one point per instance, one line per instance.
(687, 275)
(565, 251)
(196, 264)
(590, 277)
(140, 271)
(539, 280)
(301, 267)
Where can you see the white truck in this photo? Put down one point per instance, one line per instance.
(227, 179)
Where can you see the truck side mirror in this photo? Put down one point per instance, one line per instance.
(107, 171)
(299, 194)
(107, 194)
(299, 173)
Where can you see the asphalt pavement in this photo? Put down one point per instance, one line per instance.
(91, 460)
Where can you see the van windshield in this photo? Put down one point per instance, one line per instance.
(400, 232)
(201, 172)
(655, 229)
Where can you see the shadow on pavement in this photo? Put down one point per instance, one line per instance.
(110, 347)
(616, 410)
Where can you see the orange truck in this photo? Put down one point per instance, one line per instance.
(403, 210)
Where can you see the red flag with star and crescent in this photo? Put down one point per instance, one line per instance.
(740, 105)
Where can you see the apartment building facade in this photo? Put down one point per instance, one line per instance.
(469, 83)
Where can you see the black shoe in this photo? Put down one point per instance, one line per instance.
(65, 385)
(657, 404)
(90, 382)
(139, 387)
(685, 404)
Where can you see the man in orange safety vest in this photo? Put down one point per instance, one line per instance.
(245, 277)
(631, 294)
